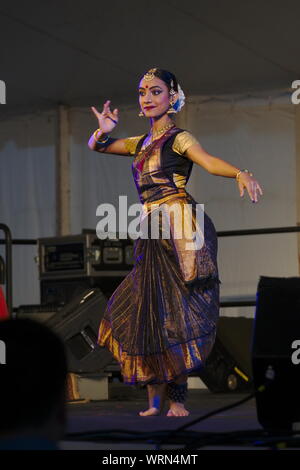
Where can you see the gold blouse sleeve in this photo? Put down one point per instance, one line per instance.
(183, 141)
(131, 144)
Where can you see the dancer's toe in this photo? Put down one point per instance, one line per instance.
(177, 409)
(150, 412)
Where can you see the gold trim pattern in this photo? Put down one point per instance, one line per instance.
(131, 143)
(183, 141)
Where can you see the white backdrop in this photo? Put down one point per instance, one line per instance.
(253, 133)
(27, 189)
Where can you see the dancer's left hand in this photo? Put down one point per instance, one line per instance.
(251, 184)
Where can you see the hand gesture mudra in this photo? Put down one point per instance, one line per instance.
(246, 181)
(107, 120)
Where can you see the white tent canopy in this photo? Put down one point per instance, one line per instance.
(81, 53)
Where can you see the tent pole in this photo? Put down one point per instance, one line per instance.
(63, 190)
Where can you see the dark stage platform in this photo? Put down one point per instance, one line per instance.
(120, 414)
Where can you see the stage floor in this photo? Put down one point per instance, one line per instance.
(120, 413)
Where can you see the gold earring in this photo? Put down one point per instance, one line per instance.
(171, 110)
(141, 114)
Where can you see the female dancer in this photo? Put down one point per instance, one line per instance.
(160, 323)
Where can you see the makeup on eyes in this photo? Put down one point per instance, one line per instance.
(157, 90)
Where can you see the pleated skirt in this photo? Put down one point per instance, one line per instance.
(161, 320)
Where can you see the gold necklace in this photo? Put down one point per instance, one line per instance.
(160, 131)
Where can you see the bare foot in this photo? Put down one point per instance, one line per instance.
(150, 412)
(156, 399)
(177, 409)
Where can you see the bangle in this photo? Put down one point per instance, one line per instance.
(239, 172)
(97, 138)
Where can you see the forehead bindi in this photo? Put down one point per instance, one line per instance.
(146, 84)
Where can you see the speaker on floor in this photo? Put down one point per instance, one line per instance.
(275, 352)
(228, 367)
(77, 323)
(61, 291)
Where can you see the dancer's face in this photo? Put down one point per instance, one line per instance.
(155, 94)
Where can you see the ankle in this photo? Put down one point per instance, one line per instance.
(177, 393)
(174, 404)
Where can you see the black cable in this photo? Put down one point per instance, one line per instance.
(137, 435)
(269, 378)
(196, 439)
(228, 438)
(257, 438)
(208, 415)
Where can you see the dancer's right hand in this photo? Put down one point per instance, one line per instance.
(107, 120)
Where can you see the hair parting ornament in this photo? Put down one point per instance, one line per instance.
(149, 75)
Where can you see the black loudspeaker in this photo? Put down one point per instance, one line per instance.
(77, 324)
(228, 367)
(61, 291)
(274, 352)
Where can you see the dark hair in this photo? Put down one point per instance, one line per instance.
(166, 77)
(33, 378)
